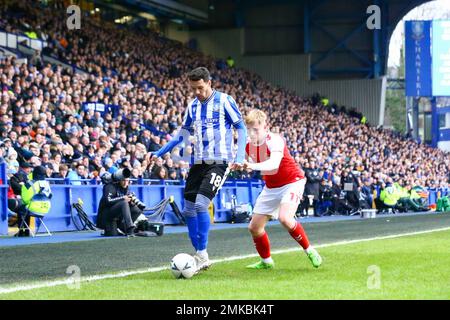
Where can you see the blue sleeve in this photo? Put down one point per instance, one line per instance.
(167, 147)
(241, 141)
(182, 135)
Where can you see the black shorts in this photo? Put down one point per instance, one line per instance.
(204, 179)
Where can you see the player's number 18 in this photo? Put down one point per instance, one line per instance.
(215, 179)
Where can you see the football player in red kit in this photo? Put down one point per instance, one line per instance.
(284, 185)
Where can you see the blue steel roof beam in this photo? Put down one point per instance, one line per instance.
(385, 31)
(336, 40)
(306, 27)
(376, 48)
(340, 44)
(239, 19)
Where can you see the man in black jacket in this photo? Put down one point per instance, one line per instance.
(350, 184)
(21, 177)
(366, 194)
(326, 197)
(311, 189)
(116, 209)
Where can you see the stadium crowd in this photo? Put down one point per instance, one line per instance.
(44, 119)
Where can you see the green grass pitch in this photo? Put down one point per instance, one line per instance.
(408, 267)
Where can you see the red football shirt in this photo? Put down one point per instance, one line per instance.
(287, 172)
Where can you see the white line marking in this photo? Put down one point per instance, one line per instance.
(53, 283)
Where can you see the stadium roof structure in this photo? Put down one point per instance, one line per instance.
(333, 32)
(165, 9)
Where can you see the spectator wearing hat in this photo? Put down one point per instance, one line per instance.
(21, 177)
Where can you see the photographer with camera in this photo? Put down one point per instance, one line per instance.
(118, 208)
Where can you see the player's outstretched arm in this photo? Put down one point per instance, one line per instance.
(182, 135)
(272, 163)
(241, 142)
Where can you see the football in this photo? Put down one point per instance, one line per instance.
(183, 266)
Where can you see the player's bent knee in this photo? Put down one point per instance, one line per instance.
(189, 209)
(255, 229)
(287, 221)
(202, 203)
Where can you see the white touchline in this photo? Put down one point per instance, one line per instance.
(53, 283)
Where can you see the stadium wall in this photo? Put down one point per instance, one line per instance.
(291, 71)
(176, 32)
(221, 43)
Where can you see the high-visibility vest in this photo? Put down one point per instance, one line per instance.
(31, 34)
(230, 63)
(389, 196)
(36, 196)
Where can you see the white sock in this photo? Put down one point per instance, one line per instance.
(267, 260)
(203, 253)
(309, 249)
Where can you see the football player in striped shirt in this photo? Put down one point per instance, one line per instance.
(211, 116)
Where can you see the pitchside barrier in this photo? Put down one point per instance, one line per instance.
(151, 192)
(3, 200)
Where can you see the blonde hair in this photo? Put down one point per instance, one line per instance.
(255, 116)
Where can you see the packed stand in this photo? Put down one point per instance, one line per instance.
(43, 120)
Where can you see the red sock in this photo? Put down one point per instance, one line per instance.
(299, 235)
(262, 245)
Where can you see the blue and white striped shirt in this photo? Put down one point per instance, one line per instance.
(212, 122)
